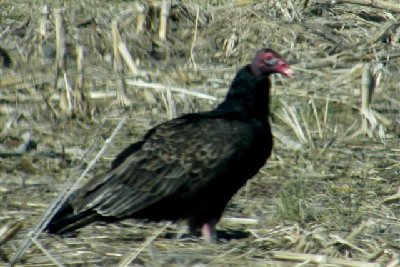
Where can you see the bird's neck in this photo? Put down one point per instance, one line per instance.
(248, 95)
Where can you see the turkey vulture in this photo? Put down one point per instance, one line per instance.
(188, 167)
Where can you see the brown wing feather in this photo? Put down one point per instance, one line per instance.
(174, 153)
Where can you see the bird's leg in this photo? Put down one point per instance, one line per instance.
(208, 232)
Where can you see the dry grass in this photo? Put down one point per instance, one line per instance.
(328, 196)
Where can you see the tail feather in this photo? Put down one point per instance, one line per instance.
(67, 221)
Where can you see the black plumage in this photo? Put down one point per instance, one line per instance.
(188, 167)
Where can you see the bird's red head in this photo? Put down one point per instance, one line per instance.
(268, 61)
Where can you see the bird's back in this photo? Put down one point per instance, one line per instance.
(178, 160)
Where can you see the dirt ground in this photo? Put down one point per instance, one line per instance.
(328, 196)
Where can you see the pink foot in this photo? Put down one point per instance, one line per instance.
(208, 232)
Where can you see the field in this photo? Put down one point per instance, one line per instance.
(328, 196)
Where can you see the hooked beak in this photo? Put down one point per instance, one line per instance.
(288, 72)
